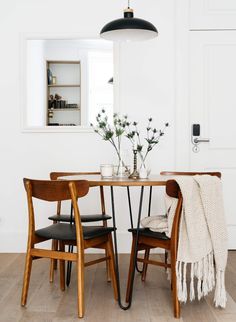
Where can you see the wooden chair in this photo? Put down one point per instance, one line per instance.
(173, 173)
(67, 234)
(58, 217)
(149, 240)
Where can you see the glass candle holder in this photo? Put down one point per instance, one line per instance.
(106, 170)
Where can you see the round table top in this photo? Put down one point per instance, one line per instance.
(98, 180)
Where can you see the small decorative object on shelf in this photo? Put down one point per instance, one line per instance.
(113, 134)
(51, 102)
(62, 104)
(152, 138)
(56, 102)
(49, 76)
(54, 80)
(71, 106)
(50, 114)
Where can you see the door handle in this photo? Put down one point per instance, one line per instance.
(196, 137)
(200, 140)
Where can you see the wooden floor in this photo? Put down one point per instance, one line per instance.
(151, 302)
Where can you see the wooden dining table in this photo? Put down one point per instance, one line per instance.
(98, 180)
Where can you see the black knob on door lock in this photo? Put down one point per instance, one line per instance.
(196, 130)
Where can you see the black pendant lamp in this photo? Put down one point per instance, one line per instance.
(129, 28)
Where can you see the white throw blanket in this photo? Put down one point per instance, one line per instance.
(202, 237)
(156, 223)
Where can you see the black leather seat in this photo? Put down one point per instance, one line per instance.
(84, 218)
(148, 233)
(61, 231)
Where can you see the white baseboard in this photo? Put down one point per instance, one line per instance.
(231, 237)
(13, 242)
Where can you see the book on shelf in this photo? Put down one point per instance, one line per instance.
(52, 104)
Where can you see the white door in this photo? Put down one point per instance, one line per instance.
(212, 14)
(212, 101)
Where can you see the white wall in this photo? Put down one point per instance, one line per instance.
(147, 74)
(36, 75)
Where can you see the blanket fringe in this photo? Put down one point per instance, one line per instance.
(204, 272)
(192, 292)
(220, 293)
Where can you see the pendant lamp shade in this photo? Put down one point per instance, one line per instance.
(129, 28)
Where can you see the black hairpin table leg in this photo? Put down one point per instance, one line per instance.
(116, 249)
(130, 209)
(70, 250)
(150, 201)
(132, 226)
(69, 266)
(147, 250)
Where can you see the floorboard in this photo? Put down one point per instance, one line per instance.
(151, 301)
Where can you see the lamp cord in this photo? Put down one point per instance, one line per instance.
(128, 4)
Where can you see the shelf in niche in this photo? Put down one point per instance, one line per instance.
(61, 85)
(55, 125)
(64, 109)
(67, 85)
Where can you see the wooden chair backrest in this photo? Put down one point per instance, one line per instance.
(55, 190)
(58, 174)
(179, 173)
(51, 190)
(172, 189)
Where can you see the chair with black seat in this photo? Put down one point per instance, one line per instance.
(149, 240)
(58, 217)
(67, 234)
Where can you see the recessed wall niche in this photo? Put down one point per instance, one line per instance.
(67, 82)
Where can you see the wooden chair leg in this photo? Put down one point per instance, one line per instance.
(28, 266)
(106, 251)
(145, 265)
(53, 262)
(110, 252)
(176, 303)
(108, 266)
(62, 267)
(80, 283)
(166, 258)
(131, 263)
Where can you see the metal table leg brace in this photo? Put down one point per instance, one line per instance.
(116, 250)
(131, 221)
(70, 249)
